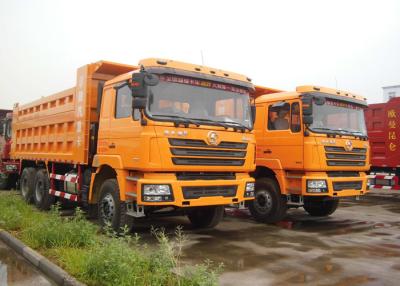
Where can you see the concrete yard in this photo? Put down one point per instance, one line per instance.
(358, 245)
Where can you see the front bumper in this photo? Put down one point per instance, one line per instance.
(336, 186)
(202, 196)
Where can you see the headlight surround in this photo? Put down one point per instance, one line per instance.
(157, 193)
(249, 191)
(317, 186)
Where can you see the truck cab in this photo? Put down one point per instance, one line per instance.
(8, 168)
(312, 149)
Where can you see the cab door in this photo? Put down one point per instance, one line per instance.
(284, 135)
(125, 128)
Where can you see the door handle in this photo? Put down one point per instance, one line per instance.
(112, 145)
(268, 151)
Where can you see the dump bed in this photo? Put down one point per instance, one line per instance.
(58, 127)
(384, 134)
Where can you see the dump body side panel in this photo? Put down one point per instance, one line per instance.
(57, 127)
(383, 131)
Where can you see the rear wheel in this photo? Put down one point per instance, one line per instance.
(269, 205)
(206, 217)
(321, 207)
(43, 200)
(111, 210)
(27, 184)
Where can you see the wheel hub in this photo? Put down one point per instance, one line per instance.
(107, 208)
(263, 202)
(39, 191)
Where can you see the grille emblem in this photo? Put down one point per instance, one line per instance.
(348, 145)
(212, 138)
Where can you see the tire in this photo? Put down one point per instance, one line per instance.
(321, 207)
(206, 217)
(43, 200)
(269, 206)
(3, 182)
(27, 184)
(111, 210)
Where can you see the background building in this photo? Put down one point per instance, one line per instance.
(390, 91)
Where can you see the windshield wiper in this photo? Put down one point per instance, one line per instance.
(181, 119)
(342, 131)
(241, 126)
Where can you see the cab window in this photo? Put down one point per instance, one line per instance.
(278, 116)
(295, 118)
(123, 104)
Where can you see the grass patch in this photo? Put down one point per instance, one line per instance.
(97, 259)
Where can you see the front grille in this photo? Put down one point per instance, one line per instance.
(341, 149)
(207, 153)
(185, 151)
(190, 176)
(345, 156)
(343, 174)
(208, 191)
(202, 143)
(207, 162)
(340, 186)
(345, 163)
(339, 156)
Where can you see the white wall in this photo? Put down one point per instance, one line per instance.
(390, 91)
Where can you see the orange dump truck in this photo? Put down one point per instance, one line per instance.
(136, 141)
(312, 149)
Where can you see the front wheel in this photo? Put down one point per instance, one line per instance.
(111, 210)
(268, 205)
(321, 207)
(205, 217)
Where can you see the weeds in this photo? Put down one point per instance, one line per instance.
(96, 259)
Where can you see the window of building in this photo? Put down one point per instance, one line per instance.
(391, 94)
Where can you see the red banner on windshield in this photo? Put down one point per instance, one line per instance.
(202, 83)
(343, 104)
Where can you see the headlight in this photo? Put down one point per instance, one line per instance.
(157, 193)
(11, 168)
(250, 187)
(156, 190)
(249, 191)
(317, 186)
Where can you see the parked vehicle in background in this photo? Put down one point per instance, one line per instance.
(384, 135)
(139, 141)
(312, 149)
(8, 168)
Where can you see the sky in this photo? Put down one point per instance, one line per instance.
(350, 45)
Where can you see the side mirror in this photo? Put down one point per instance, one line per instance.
(138, 103)
(151, 79)
(140, 83)
(308, 119)
(307, 105)
(253, 110)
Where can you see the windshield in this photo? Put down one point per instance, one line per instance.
(340, 117)
(200, 102)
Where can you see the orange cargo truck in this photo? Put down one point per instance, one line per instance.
(312, 149)
(136, 141)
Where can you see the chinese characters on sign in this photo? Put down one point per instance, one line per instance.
(391, 114)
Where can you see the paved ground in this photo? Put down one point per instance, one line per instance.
(15, 270)
(358, 245)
